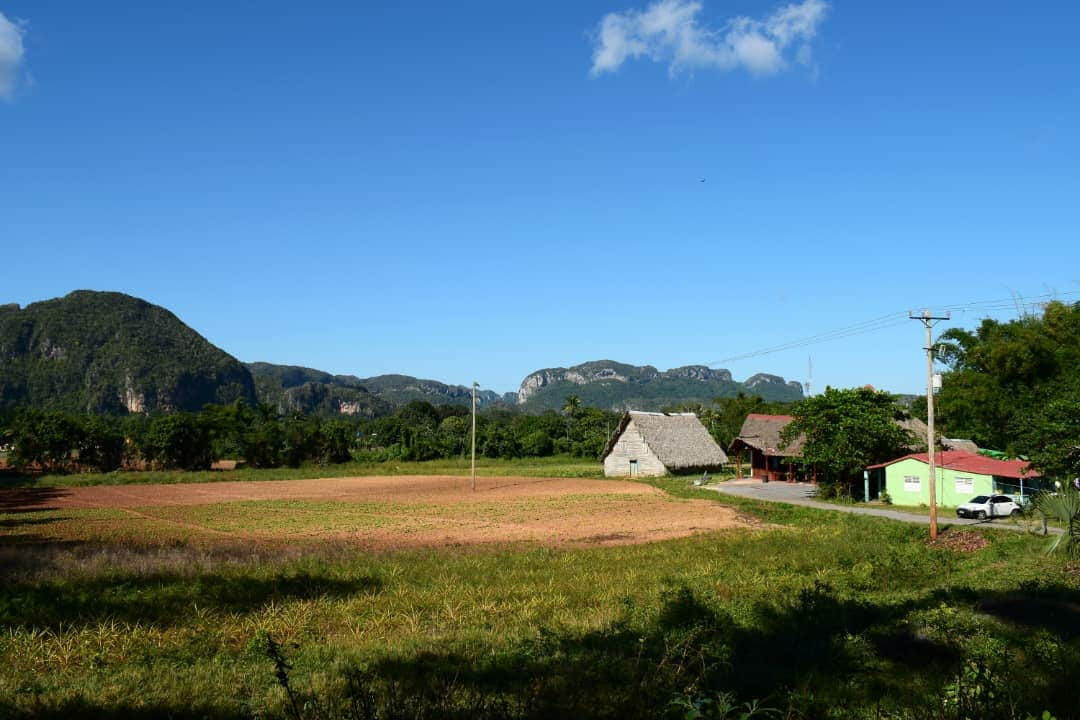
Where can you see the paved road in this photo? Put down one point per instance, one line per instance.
(803, 494)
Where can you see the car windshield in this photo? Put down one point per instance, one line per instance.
(979, 500)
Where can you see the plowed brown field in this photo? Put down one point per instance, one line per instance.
(380, 512)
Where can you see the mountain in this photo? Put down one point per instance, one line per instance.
(314, 392)
(402, 389)
(109, 352)
(292, 387)
(617, 386)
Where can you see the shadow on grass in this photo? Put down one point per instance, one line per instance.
(83, 708)
(28, 499)
(163, 598)
(816, 655)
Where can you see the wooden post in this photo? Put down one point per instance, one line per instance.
(474, 386)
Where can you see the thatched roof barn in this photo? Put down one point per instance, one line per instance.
(652, 444)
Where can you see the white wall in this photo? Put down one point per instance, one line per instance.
(631, 446)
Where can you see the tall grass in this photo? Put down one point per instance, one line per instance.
(817, 614)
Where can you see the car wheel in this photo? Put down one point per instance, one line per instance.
(981, 515)
(1015, 513)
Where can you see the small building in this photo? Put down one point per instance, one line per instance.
(650, 444)
(760, 436)
(770, 460)
(961, 475)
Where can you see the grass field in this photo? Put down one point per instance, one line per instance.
(274, 613)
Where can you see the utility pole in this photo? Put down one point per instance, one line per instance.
(928, 319)
(474, 386)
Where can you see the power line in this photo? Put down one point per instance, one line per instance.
(891, 320)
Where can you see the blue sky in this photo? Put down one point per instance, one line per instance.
(480, 189)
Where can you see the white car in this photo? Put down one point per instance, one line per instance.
(989, 507)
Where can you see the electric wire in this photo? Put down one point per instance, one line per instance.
(896, 319)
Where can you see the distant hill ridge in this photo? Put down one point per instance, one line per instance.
(292, 387)
(107, 352)
(613, 385)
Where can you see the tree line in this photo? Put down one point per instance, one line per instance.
(1015, 386)
(263, 437)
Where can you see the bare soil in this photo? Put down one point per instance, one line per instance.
(421, 511)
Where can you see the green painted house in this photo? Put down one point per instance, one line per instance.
(961, 475)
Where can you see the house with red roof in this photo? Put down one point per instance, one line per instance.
(960, 475)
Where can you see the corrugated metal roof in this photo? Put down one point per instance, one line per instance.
(970, 462)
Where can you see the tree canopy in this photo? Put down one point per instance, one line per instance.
(847, 430)
(1015, 386)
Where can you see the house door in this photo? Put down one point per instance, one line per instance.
(633, 468)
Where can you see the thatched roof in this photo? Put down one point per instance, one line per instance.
(921, 433)
(678, 439)
(762, 432)
(918, 430)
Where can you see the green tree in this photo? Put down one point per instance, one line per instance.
(847, 430)
(571, 409)
(300, 439)
(179, 441)
(45, 440)
(1014, 386)
(336, 440)
(100, 443)
(227, 425)
(264, 442)
(453, 435)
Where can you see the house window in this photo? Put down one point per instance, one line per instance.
(965, 485)
(912, 483)
(633, 468)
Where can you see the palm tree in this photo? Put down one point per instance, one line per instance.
(571, 408)
(708, 417)
(1063, 505)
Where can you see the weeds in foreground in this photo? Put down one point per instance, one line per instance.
(815, 615)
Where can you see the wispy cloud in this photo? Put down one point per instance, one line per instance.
(11, 55)
(670, 31)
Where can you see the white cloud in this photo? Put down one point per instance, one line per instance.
(669, 31)
(11, 55)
